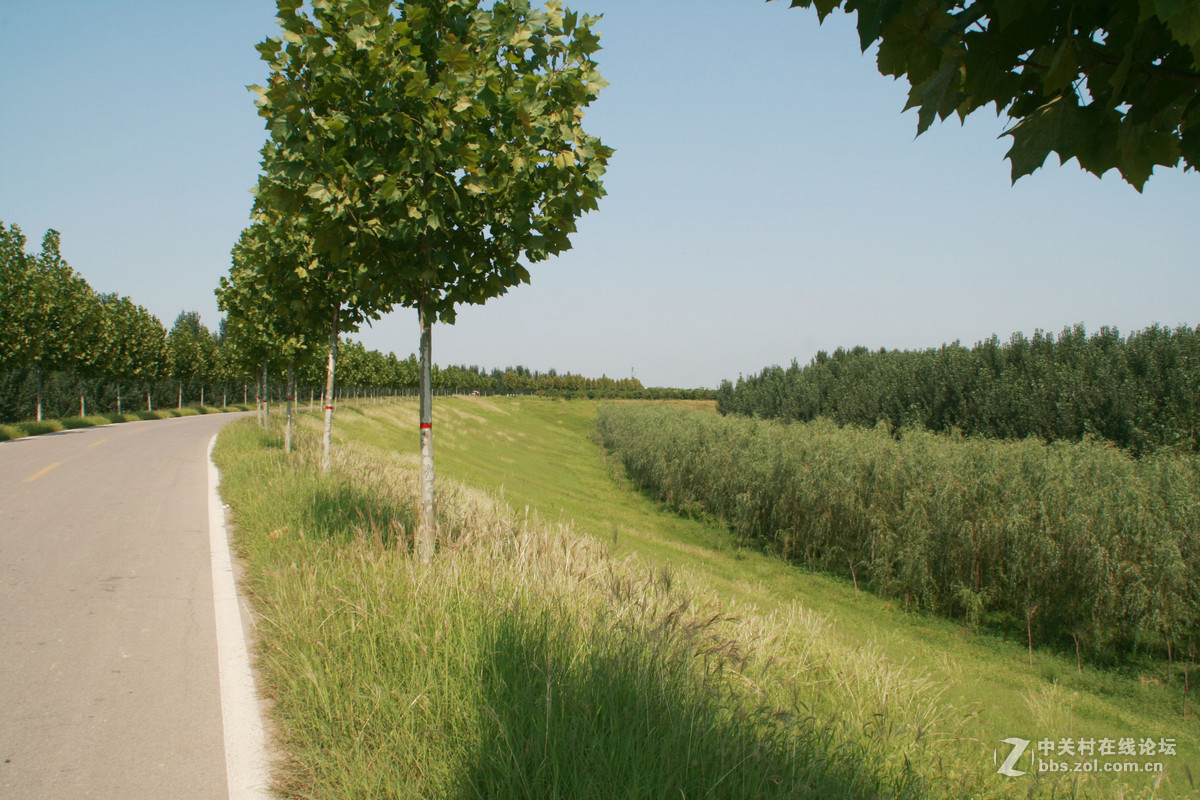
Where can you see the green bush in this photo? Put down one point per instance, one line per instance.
(1064, 543)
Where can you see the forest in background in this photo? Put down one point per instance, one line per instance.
(1140, 392)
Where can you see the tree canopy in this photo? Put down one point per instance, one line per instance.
(425, 146)
(1114, 85)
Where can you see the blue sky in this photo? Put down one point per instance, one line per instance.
(767, 198)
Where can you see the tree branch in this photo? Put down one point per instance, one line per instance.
(1148, 69)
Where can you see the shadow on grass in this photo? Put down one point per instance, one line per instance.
(610, 712)
(340, 511)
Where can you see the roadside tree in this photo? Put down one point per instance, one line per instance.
(430, 146)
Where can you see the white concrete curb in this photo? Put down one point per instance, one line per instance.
(246, 765)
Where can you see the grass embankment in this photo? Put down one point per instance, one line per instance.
(527, 662)
(876, 658)
(19, 430)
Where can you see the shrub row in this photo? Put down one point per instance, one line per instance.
(1067, 543)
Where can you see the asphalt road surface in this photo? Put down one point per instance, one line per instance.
(109, 683)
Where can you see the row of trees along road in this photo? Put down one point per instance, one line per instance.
(52, 322)
(418, 152)
(67, 349)
(63, 345)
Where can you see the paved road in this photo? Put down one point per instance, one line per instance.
(108, 669)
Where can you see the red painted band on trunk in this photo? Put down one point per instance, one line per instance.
(329, 408)
(426, 426)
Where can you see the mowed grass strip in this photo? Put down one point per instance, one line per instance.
(539, 453)
(530, 661)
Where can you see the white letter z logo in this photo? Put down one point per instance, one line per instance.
(1018, 750)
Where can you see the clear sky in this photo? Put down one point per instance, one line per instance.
(767, 198)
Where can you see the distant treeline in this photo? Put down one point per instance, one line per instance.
(67, 350)
(1141, 392)
(367, 373)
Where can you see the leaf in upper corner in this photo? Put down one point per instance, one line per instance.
(1189, 147)
(1182, 18)
(1140, 150)
(1055, 127)
(873, 17)
(1064, 67)
(939, 96)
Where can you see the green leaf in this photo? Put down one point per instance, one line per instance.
(1055, 127)
(360, 37)
(269, 48)
(1182, 18)
(1064, 67)
(1141, 150)
(1121, 74)
(873, 17)
(319, 193)
(939, 96)
(387, 189)
(455, 56)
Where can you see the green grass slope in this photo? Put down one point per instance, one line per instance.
(538, 453)
(528, 662)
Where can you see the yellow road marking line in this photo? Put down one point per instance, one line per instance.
(42, 472)
(97, 444)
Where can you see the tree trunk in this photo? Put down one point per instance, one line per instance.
(202, 395)
(325, 437)
(1186, 673)
(426, 527)
(291, 397)
(149, 402)
(1029, 612)
(181, 394)
(118, 397)
(39, 395)
(266, 383)
(82, 402)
